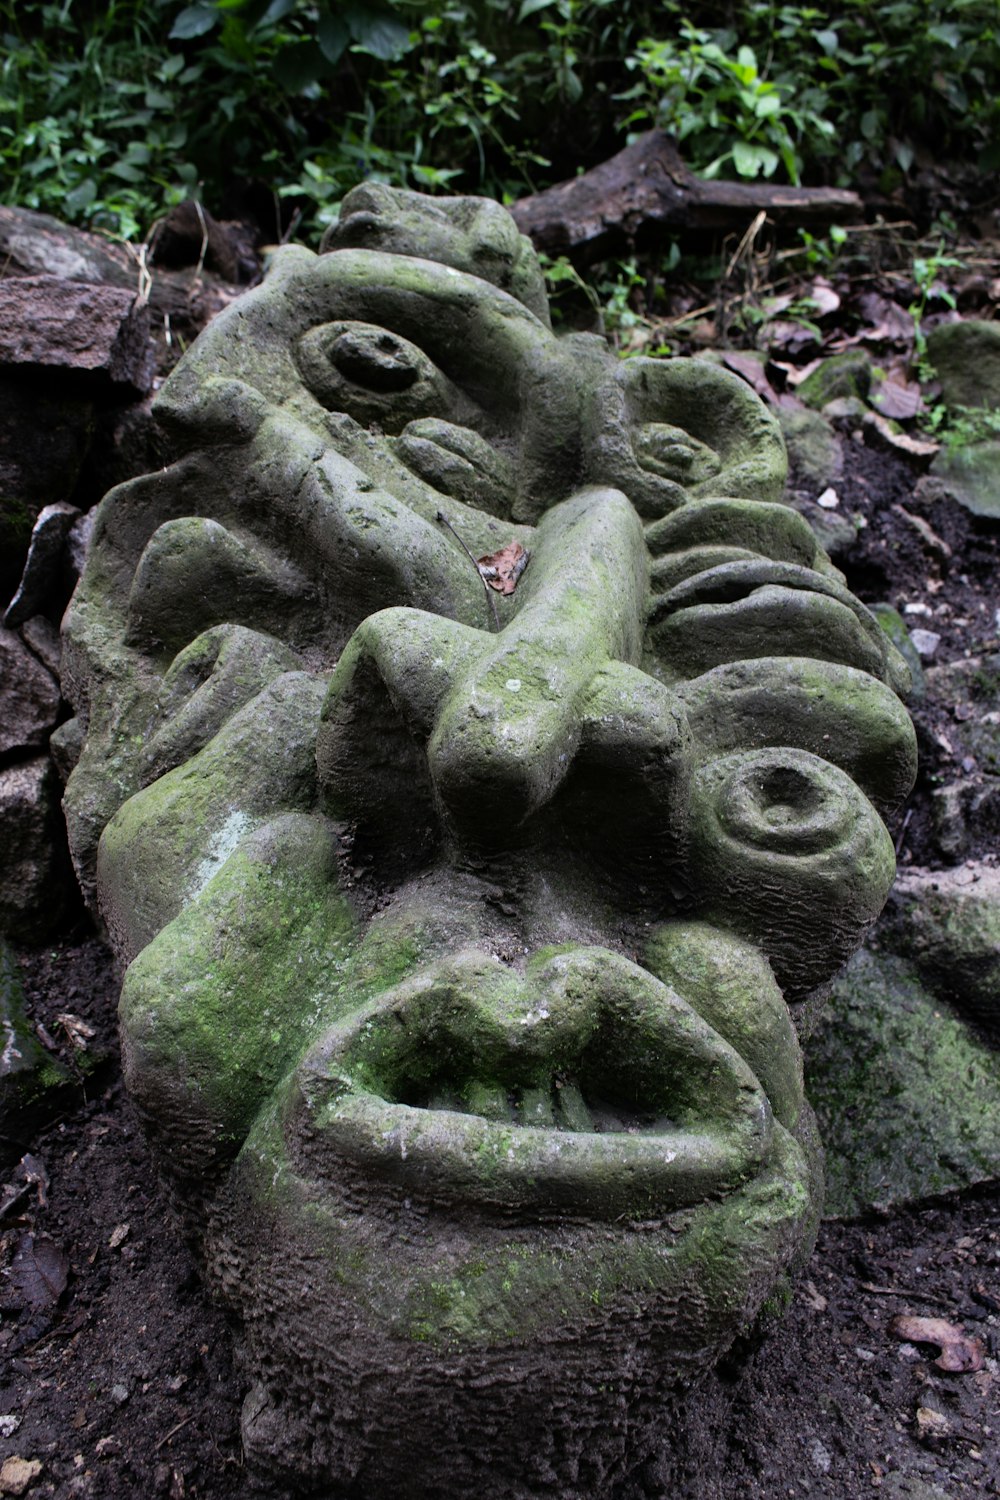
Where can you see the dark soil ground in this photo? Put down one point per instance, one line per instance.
(123, 1382)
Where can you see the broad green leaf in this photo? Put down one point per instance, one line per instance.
(377, 31)
(947, 32)
(828, 40)
(751, 160)
(194, 21)
(529, 7)
(299, 65)
(766, 105)
(332, 35)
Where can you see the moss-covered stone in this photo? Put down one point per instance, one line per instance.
(33, 1085)
(906, 1097)
(839, 377)
(966, 360)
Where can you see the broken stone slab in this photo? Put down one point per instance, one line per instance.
(947, 923)
(30, 697)
(32, 1084)
(36, 886)
(34, 244)
(970, 475)
(966, 360)
(100, 333)
(907, 1096)
(42, 639)
(47, 578)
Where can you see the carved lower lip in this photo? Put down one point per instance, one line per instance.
(633, 1156)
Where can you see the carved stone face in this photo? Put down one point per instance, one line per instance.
(462, 932)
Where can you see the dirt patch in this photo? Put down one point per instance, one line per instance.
(126, 1385)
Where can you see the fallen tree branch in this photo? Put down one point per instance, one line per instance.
(630, 199)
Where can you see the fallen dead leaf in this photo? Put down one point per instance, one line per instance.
(960, 1353)
(17, 1473)
(39, 1270)
(752, 372)
(79, 1032)
(502, 570)
(898, 397)
(823, 298)
(119, 1235)
(932, 1427)
(814, 1298)
(875, 422)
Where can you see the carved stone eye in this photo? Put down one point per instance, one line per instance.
(375, 358)
(374, 375)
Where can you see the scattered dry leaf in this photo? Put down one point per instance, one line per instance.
(39, 1270)
(814, 1298)
(823, 298)
(918, 447)
(898, 397)
(960, 1353)
(17, 1473)
(119, 1235)
(502, 570)
(932, 1427)
(79, 1032)
(752, 372)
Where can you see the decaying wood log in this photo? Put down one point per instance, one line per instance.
(627, 201)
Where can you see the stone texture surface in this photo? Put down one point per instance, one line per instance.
(35, 887)
(97, 332)
(465, 931)
(30, 696)
(966, 360)
(46, 579)
(907, 1098)
(947, 922)
(971, 475)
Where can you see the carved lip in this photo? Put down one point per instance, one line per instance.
(584, 1085)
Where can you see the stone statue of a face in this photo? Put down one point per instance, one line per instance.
(461, 950)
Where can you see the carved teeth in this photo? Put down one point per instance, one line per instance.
(584, 1085)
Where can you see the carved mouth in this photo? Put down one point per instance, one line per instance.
(584, 1085)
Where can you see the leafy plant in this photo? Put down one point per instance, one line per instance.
(717, 100)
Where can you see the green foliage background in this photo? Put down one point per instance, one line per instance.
(111, 112)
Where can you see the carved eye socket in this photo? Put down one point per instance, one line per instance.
(374, 375)
(376, 359)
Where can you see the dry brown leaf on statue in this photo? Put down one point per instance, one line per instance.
(960, 1353)
(502, 570)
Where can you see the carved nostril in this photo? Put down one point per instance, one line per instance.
(784, 808)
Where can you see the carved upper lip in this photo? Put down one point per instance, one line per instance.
(585, 1085)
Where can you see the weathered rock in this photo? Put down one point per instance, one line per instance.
(973, 685)
(44, 437)
(970, 475)
(894, 625)
(47, 580)
(43, 641)
(907, 1098)
(947, 923)
(32, 1084)
(813, 449)
(98, 332)
(36, 886)
(841, 377)
(34, 244)
(966, 360)
(464, 929)
(30, 697)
